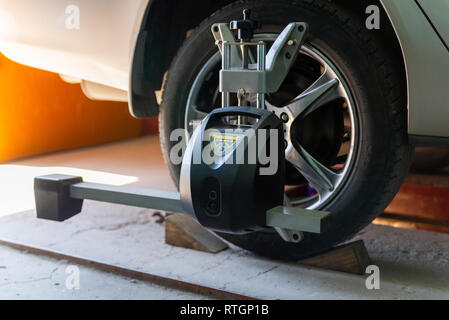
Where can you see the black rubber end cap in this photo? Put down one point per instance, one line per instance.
(52, 196)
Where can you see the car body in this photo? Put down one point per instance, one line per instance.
(120, 49)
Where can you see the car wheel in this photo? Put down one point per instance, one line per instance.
(356, 139)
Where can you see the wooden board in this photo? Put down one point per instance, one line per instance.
(422, 203)
(351, 258)
(183, 231)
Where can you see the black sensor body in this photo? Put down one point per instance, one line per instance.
(233, 198)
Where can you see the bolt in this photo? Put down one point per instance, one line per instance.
(291, 42)
(284, 117)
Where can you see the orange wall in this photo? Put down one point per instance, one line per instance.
(40, 113)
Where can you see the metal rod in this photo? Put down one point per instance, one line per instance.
(242, 95)
(261, 101)
(225, 99)
(291, 218)
(298, 219)
(261, 64)
(284, 217)
(244, 50)
(226, 65)
(136, 197)
(261, 56)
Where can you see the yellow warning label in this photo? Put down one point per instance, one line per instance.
(224, 144)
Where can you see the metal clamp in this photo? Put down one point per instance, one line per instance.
(272, 68)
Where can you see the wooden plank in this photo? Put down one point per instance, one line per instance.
(402, 221)
(421, 203)
(350, 258)
(182, 231)
(440, 179)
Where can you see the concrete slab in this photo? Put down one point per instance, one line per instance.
(413, 264)
(27, 276)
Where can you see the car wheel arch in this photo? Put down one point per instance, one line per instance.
(167, 22)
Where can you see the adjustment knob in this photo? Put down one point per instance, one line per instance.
(245, 27)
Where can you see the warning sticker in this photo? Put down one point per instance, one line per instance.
(223, 144)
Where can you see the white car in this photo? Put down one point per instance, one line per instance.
(390, 57)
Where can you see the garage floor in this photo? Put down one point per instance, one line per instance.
(413, 264)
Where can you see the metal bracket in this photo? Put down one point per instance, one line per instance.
(60, 197)
(276, 64)
(222, 33)
(283, 54)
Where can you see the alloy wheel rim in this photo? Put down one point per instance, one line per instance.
(324, 183)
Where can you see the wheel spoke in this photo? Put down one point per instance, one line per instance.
(318, 94)
(322, 179)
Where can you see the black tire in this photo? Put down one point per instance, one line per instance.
(384, 154)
